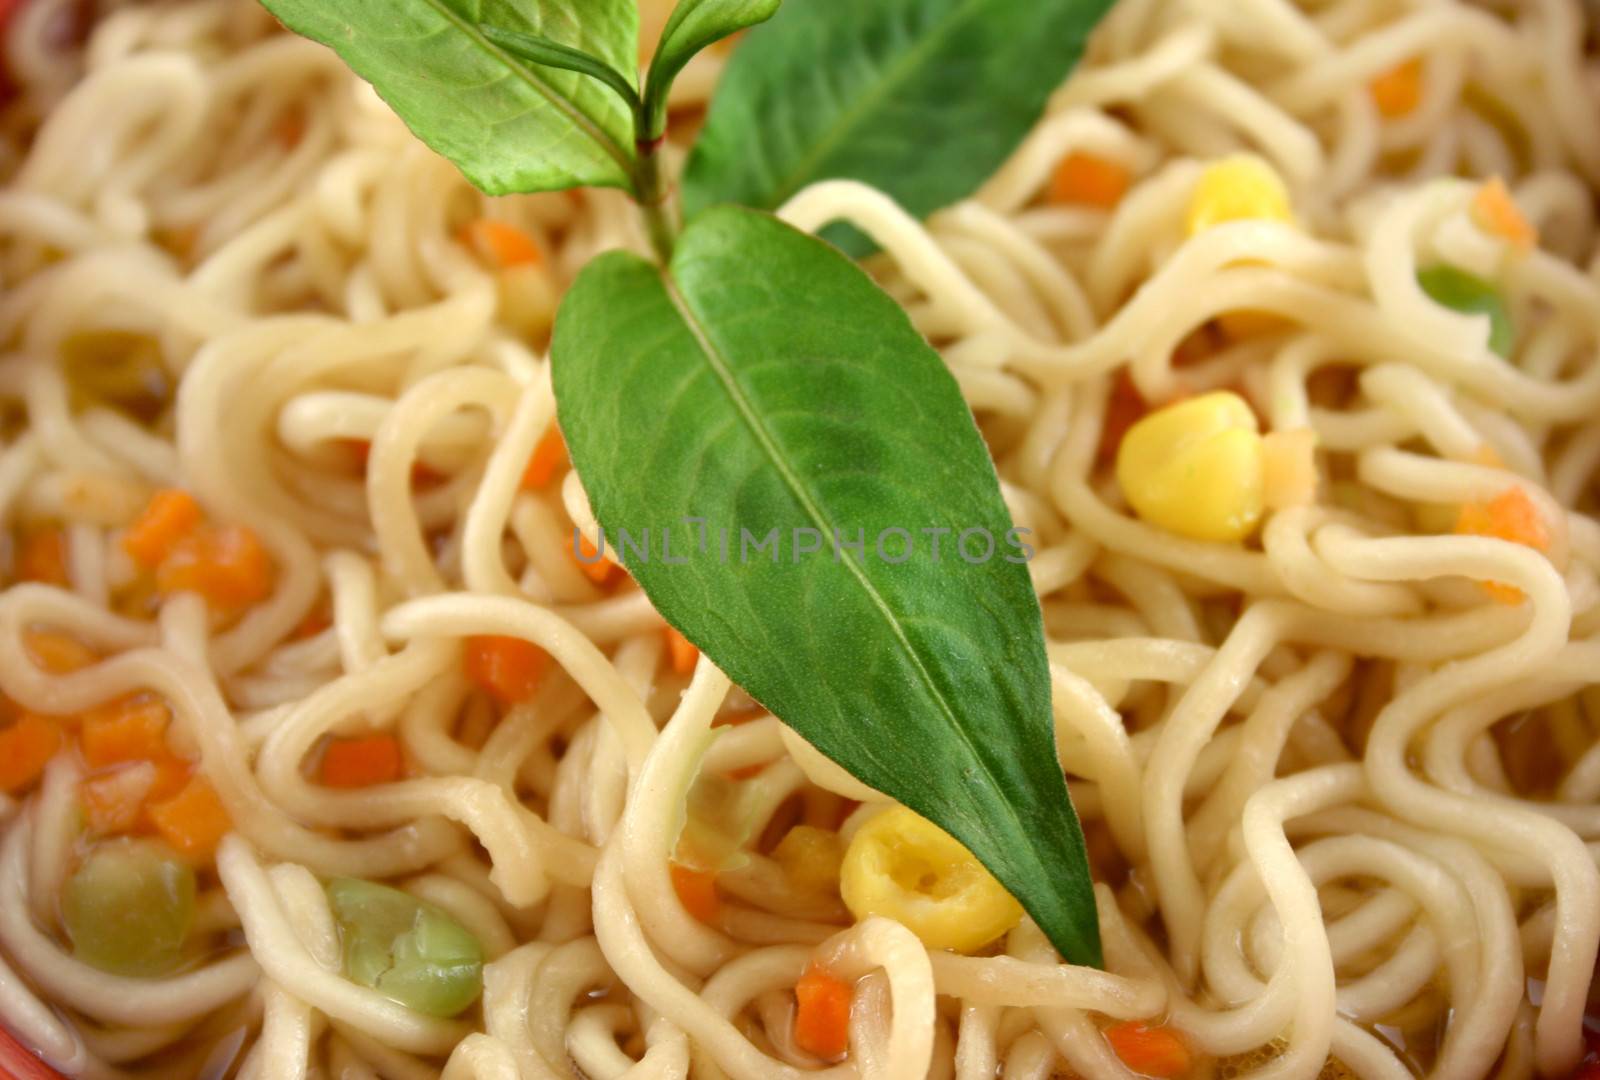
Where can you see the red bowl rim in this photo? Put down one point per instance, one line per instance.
(17, 1062)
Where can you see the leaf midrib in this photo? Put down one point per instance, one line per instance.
(769, 446)
(899, 68)
(581, 119)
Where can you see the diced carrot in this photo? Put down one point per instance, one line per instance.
(1510, 516)
(1156, 1051)
(500, 244)
(227, 565)
(361, 762)
(112, 802)
(1399, 90)
(547, 457)
(507, 667)
(1289, 468)
(697, 891)
(682, 651)
(43, 557)
(57, 653)
(1124, 408)
(193, 820)
(596, 567)
(131, 729)
(26, 747)
(1089, 180)
(822, 1014)
(1496, 213)
(170, 516)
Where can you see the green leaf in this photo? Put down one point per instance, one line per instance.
(922, 99)
(763, 382)
(694, 25)
(1471, 295)
(510, 126)
(406, 949)
(541, 50)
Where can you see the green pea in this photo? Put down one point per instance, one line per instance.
(406, 949)
(129, 908)
(1471, 295)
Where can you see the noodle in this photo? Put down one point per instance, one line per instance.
(1341, 805)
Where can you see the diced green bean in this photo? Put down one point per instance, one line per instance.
(129, 908)
(406, 949)
(1471, 295)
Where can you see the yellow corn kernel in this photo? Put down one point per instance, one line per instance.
(906, 868)
(1195, 468)
(810, 858)
(1238, 188)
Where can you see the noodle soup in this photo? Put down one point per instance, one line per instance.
(334, 745)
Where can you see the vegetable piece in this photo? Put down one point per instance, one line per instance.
(803, 399)
(1195, 468)
(225, 564)
(1088, 180)
(1288, 468)
(510, 125)
(822, 1014)
(1151, 1050)
(694, 25)
(112, 803)
(811, 858)
(59, 654)
(501, 244)
(26, 747)
(1125, 406)
(697, 891)
(548, 456)
(721, 815)
(597, 567)
(507, 667)
(362, 762)
(922, 99)
(192, 821)
(132, 728)
(906, 868)
(170, 516)
(681, 652)
(1238, 188)
(1509, 516)
(1496, 213)
(1398, 91)
(129, 908)
(1471, 295)
(406, 949)
(43, 557)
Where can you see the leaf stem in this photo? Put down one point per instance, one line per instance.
(654, 196)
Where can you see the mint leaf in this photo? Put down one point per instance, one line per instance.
(763, 382)
(510, 126)
(694, 25)
(922, 99)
